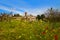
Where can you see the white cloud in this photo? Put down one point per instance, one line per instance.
(10, 10)
(34, 11)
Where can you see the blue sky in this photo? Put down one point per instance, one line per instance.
(33, 7)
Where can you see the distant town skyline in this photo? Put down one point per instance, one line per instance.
(33, 7)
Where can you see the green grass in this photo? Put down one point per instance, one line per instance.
(24, 30)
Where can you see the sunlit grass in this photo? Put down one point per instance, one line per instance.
(25, 30)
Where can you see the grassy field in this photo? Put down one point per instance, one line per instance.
(24, 30)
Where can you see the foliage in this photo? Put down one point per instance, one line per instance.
(17, 15)
(42, 16)
(38, 17)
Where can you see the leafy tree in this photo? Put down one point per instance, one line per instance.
(38, 17)
(17, 15)
(42, 16)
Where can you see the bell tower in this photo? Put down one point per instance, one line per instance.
(25, 13)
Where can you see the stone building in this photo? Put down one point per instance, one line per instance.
(26, 17)
(29, 17)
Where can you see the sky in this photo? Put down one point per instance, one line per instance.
(33, 7)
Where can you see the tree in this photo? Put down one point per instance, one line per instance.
(38, 17)
(17, 15)
(42, 16)
(53, 15)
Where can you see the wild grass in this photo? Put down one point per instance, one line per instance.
(25, 30)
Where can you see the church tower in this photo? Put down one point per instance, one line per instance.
(25, 14)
